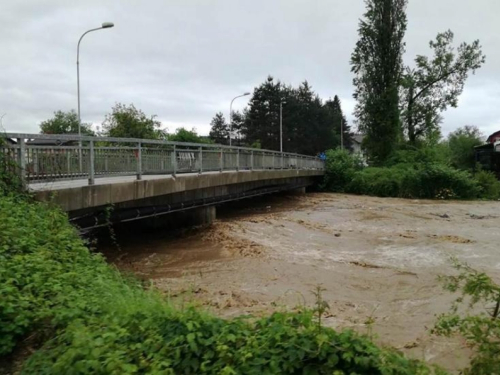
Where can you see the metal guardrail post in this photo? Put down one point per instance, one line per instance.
(201, 159)
(91, 163)
(251, 160)
(221, 166)
(139, 161)
(21, 156)
(175, 161)
(238, 160)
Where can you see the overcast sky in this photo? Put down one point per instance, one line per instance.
(184, 60)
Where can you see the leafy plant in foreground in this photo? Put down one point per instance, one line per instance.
(481, 329)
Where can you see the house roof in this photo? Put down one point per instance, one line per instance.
(492, 136)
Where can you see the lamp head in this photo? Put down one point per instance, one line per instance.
(247, 93)
(107, 25)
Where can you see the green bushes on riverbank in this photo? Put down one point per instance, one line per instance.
(85, 318)
(414, 174)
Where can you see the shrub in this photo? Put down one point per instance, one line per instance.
(381, 182)
(442, 182)
(488, 183)
(480, 330)
(47, 275)
(433, 181)
(340, 168)
(174, 342)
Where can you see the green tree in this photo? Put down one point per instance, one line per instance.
(377, 65)
(461, 143)
(219, 132)
(339, 123)
(184, 135)
(434, 84)
(130, 122)
(262, 121)
(64, 123)
(238, 120)
(307, 126)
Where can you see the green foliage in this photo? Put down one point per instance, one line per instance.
(341, 129)
(48, 277)
(434, 84)
(432, 181)
(309, 125)
(189, 136)
(10, 181)
(461, 143)
(438, 153)
(155, 340)
(340, 169)
(64, 123)
(219, 129)
(99, 323)
(481, 330)
(411, 173)
(377, 65)
(488, 183)
(129, 122)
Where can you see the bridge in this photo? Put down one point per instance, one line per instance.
(142, 178)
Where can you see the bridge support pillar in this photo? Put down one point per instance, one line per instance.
(202, 215)
(299, 191)
(183, 219)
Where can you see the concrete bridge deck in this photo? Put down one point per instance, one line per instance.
(146, 178)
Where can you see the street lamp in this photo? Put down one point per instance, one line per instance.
(231, 116)
(281, 124)
(105, 25)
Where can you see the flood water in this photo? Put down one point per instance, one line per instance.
(375, 258)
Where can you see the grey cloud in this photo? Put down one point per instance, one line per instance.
(184, 60)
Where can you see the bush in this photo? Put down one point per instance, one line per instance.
(47, 275)
(432, 181)
(442, 182)
(489, 185)
(381, 182)
(99, 323)
(340, 168)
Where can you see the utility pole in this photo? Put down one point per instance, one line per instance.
(281, 124)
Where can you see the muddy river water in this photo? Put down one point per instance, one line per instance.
(377, 260)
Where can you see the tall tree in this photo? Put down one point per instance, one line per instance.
(219, 132)
(434, 84)
(377, 65)
(262, 121)
(64, 123)
(130, 122)
(238, 126)
(339, 123)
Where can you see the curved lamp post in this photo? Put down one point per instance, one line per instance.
(231, 116)
(105, 25)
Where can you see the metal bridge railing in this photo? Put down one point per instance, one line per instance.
(48, 157)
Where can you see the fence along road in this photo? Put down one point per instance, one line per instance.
(43, 158)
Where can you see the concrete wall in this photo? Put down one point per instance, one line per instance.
(181, 188)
